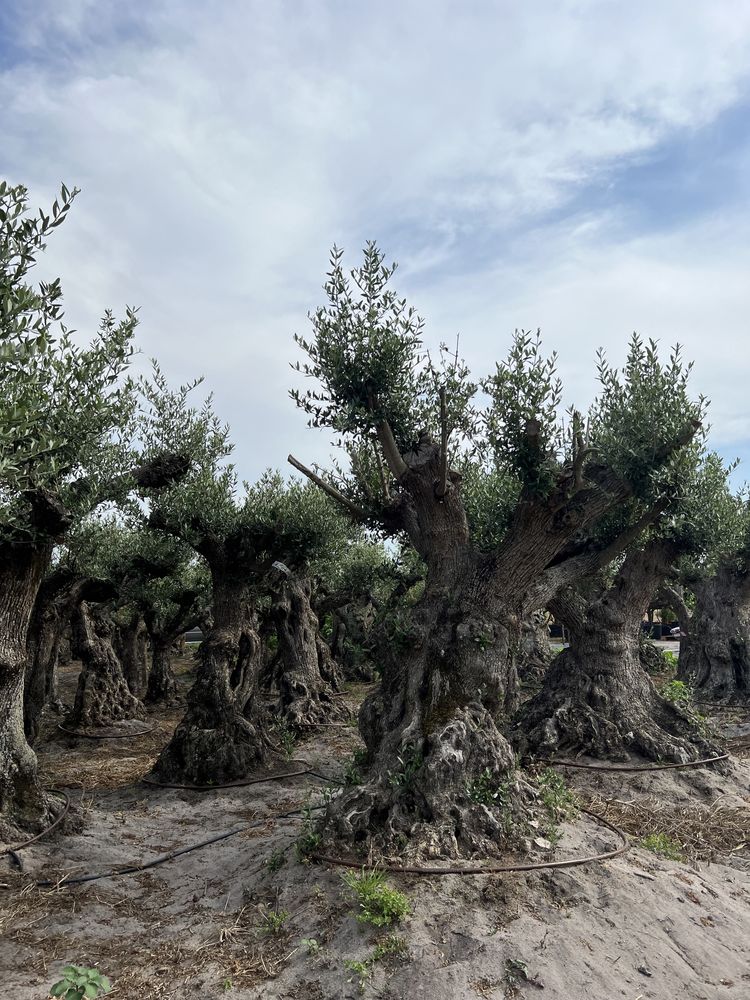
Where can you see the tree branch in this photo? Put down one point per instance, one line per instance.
(393, 457)
(332, 492)
(381, 472)
(442, 486)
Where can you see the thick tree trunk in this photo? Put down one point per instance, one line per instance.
(40, 687)
(221, 737)
(131, 647)
(351, 640)
(597, 699)
(715, 653)
(22, 803)
(103, 697)
(162, 683)
(59, 595)
(307, 675)
(441, 779)
(534, 651)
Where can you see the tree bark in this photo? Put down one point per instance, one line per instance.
(597, 699)
(715, 653)
(221, 737)
(431, 735)
(103, 697)
(22, 802)
(535, 651)
(59, 595)
(162, 683)
(130, 645)
(307, 675)
(441, 778)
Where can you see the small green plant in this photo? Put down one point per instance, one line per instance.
(361, 969)
(286, 738)
(352, 771)
(557, 798)
(391, 945)
(227, 985)
(678, 693)
(78, 983)
(487, 790)
(380, 905)
(274, 920)
(663, 845)
(309, 839)
(275, 860)
(410, 764)
(311, 946)
(670, 660)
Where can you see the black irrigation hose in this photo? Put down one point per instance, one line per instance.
(99, 736)
(240, 783)
(613, 768)
(58, 819)
(494, 869)
(164, 858)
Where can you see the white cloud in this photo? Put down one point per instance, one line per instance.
(222, 148)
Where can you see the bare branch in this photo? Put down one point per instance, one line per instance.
(393, 457)
(327, 488)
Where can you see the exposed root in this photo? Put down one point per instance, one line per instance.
(455, 793)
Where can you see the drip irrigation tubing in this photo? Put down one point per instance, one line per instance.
(58, 819)
(164, 858)
(493, 869)
(101, 736)
(631, 768)
(240, 783)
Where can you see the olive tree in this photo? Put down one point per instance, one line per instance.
(711, 597)
(240, 530)
(412, 425)
(597, 698)
(63, 451)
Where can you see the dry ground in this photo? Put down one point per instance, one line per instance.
(636, 927)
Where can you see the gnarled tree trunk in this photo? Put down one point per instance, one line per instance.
(22, 802)
(103, 696)
(59, 595)
(221, 736)
(130, 644)
(351, 639)
(534, 651)
(596, 698)
(162, 683)
(307, 675)
(441, 778)
(715, 653)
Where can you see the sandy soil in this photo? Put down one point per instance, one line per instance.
(635, 927)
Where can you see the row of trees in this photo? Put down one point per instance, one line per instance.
(459, 511)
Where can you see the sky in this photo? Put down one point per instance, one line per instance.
(579, 166)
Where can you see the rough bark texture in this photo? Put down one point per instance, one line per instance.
(307, 674)
(534, 651)
(59, 595)
(22, 802)
(221, 737)
(432, 740)
(162, 683)
(596, 698)
(103, 697)
(130, 645)
(715, 653)
(430, 728)
(351, 626)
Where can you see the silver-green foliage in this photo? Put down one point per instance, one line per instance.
(63, 408)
